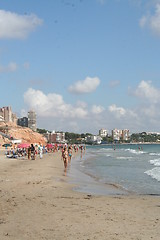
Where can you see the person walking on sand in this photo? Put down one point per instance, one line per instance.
(32, 152)
(65, 158)
(41, 151)
(29, 153)
(69, 153)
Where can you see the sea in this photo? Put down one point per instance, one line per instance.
(118, 169)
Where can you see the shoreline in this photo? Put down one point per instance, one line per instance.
(37, 202)
(89, 184)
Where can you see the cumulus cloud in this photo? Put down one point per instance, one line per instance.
(85, 86)
(17, 26)
(146, 91)
(97, 109)
(152, 21)
(54, 113)
(52, 105)
(118, 111)
(11, 67)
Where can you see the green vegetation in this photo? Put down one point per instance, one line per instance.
(41, 131)
(79, 138)
(76, 137)
(144, 137)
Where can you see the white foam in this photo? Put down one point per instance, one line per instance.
(104, 150)
(155, 162)
(124, 158)
(154, 173)
(134, 151)
(154, 154)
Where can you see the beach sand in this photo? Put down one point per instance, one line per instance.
(37, 202)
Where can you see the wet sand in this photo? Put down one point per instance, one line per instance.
(37, 202)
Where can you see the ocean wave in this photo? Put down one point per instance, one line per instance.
(104, 150)
(124, 158)
(134, 151)
(155, 162)
(154, 173)
(154, 154)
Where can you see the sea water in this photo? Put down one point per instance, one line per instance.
(117, 169)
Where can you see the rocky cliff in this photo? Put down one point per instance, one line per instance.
(18, 132)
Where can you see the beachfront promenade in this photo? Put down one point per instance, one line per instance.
(37, 202)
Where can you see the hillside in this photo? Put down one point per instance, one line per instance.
(18, 132)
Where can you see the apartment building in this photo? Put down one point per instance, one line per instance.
(56, 137)
(23, 122)
(103, 132)
(6, 114)
(116, 134)
(125, 135)
(32, 120)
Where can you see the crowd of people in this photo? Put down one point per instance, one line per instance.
(67, 152)
(32, 151)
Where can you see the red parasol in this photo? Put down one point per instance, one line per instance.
(23, 145)
(49, 145)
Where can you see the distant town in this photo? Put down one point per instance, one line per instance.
(103, 137)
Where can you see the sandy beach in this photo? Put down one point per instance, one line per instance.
(37, 202)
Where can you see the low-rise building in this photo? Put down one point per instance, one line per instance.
(56, 137)
(94, 139)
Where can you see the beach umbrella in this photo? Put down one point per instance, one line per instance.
(49, 145)
(23, 145)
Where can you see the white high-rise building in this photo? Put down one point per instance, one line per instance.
(103, 132)
(125, 134)
(116, 134)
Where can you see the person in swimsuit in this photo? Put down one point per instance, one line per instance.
(69, 153)
(65, 158)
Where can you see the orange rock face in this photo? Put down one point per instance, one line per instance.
(23, 133)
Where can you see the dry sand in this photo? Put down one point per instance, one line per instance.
(37, 202)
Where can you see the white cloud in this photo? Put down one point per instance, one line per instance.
(12, 67)
(114, 83)
(97, 109)
(17, 26)
(54, 113)
(81, 104)
(52, 105)
(152, 21)
(118, 111)
(85, 86)
(146, 91)
(143, 21)
(23, 113)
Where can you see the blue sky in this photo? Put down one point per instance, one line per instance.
(82, 65)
